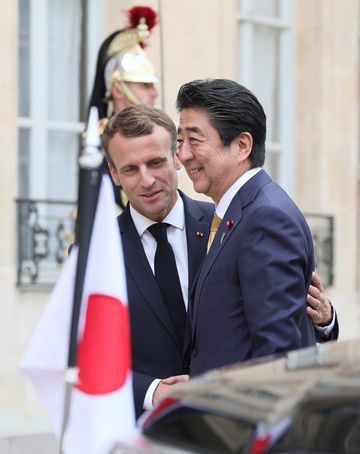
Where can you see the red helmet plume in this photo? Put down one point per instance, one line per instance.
(137, 13)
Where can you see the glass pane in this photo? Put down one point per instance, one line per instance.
(24, 56)
(64, 39)
(24, 155)
(270, 8)
(63, 148)
(265, 8)
(266, 63)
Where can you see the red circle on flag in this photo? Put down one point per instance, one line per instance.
(104, 349)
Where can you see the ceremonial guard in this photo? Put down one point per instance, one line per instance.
(124, 74)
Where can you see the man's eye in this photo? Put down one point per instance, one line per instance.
(156, 163)
(128, 171)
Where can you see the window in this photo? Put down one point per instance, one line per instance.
(54, 79)
(58, 43)
(265, 66)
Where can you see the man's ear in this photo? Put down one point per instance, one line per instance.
(116, 94)
(177, 162)
(114, 174)
(244, 144)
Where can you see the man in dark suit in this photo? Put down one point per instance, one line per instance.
(250, 294)
(140, 144)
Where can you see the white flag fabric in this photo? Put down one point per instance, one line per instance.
(101, 407)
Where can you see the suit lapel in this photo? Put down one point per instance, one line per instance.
(197, 234)
(138, 267)
(228, 226)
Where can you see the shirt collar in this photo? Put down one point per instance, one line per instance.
(176, 217)
(226, 199)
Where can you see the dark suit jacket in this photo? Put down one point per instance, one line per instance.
(250, 296)
(157, 351)
(333, 335)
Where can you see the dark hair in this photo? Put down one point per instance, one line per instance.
(98, 98)
(231, 108)
(138, 121)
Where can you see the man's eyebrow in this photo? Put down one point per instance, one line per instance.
(126, 166)
(191, 129)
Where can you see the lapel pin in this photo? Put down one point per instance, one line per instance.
(222, 237)
(200, 234)
(229, 223)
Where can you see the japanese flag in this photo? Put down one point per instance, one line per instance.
(101, 405)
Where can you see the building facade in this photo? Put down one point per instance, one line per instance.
(300, 57)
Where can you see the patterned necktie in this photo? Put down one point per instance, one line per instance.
(167, 277)
(213, 229)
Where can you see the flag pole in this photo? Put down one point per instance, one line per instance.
(162, 63)
(88, 193)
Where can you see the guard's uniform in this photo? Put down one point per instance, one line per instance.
(121, 59)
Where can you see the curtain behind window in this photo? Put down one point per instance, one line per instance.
(63, 55)
(64, 32)
(265, 66)
(49, 81)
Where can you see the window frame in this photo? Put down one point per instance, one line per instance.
(284, 147)
(36, 123)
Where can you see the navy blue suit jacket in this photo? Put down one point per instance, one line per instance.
(250, 294)
(157, 350)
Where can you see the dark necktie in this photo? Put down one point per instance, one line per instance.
(167, 277)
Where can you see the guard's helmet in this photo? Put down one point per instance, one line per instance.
(121, 57)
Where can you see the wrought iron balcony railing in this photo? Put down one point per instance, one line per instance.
(45, 231)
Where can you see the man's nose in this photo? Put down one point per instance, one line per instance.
(147, 179)
(184, 152)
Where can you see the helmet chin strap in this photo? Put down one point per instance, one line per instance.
(134, 100)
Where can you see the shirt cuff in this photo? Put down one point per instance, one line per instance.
(326, 330)
(148, 401)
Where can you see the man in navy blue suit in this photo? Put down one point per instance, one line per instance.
(140, 144)
(249, 299)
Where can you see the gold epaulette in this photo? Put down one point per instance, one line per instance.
(102, 123)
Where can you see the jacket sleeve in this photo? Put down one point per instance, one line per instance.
(141, 383)
(332, 335)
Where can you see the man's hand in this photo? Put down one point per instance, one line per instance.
(319, 307)
(165, 386)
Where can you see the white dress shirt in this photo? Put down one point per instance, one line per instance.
(226, 199)
(176, 233)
